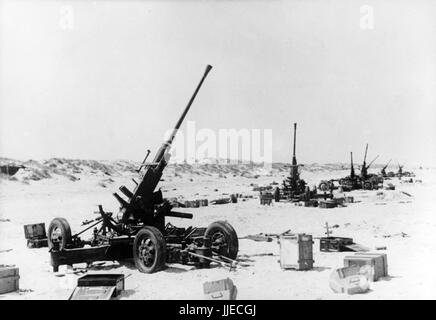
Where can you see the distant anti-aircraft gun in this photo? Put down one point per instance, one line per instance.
(293, 187)
(139, 229)
(350, 182)
(400, 173)
(352, 174)
(383, 170)
(364, 169)
(353, 181)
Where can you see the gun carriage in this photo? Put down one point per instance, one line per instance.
(139, 230)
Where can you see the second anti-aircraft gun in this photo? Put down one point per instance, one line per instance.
(383, 172)
(294, 188)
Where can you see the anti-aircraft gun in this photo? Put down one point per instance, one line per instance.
(350, 182)
(364, 180)
(294, 188)
(139, 229)
(364, 169)
(400, 173)
(369, 180)
(383, 170)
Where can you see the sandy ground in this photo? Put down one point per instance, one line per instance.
(410, 259)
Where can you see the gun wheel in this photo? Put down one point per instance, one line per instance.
(59, 234)
(149, 251)
(323, 186)
(367, 185)
(224, 239)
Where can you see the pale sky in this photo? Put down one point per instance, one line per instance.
(106, 79)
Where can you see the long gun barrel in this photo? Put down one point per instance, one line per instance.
(364, 158)
(363, 171)
(166, 146)
(352, 174)
(294, 158)
(371, 162)
(144, 190)
(384, 168)
(294, 166)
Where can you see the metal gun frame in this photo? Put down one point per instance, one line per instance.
(139, 230)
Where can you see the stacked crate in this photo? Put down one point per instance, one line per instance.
(9, 279)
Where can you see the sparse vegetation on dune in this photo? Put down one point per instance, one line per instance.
(73, 169)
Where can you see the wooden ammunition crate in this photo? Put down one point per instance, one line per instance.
(349, 199)
(296, 252)
(334, 244)
(98, 287)
(266, 198)
(35, 231)
(376, 262)
(340, 200)
(327, 204)
(9, 279)
(265, 201)
(311, 203)
(379, 256)
(220, 290)
(192, 204)
(37, 243)
(348, 280)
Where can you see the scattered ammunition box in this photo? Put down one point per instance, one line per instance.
(266, 198)
(192, 204)
(9, 279)
(35, 231)
(383, 271)
(349, 199)
(327, 204)
(234, 198)
(204, 203)
(348, 280)
(98, 287)
(377, 263)
(37, 243)
(390, 186)
(296, 252)
(334, 244)
(35, 235)
(311, 203)
(220, 290)
(340, 201)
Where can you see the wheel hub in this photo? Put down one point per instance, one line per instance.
(147, 252)
(219, 242)
(56, 235)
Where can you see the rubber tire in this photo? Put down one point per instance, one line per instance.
(230, 234)
(324, 186)
(367, 185)
(159, 242)
(277, 194)
(64, 226)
